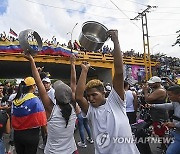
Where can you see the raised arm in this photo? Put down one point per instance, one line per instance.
(73, 77)
(84, 105)
(48, 105)
(118, 79)
(165, 106)
(171, 83)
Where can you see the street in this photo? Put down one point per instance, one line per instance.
(88, 150)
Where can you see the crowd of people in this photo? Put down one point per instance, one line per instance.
(55, 110)
(36, 104)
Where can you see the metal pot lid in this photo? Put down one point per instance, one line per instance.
(96, 26)
(24, 43)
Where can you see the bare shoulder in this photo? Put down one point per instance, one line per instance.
(159, 93)
(161, 90)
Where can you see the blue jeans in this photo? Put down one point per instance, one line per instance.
(174, 147)
(83, 123)
(2, 148)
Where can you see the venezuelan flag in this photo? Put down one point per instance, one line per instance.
(28, 113)
(14, 47)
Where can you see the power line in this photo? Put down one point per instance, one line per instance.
(100, 6)
(80, 3)
(121, 9)
(124, 14)
(81, 11)
(137, 3)
(94, 6)
(143, 12)
(158, 7)
(74, 10)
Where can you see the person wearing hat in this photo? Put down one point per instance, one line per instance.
(107, 115)
(60, 114)
(49, 89)
(158, 95)
(174, 96)
(28, 115)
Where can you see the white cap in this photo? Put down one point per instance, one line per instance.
(154, 79)
(46, 80)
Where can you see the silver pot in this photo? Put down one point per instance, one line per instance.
(93, 35)
(25, 43)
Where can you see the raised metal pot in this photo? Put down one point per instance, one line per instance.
(24, 43)
(93, 35)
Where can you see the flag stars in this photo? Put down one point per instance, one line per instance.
(24, 107)
(28, 109)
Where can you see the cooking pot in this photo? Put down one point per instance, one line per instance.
(25, 44)
(93, 35)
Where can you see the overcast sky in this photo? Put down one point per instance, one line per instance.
(57, 17)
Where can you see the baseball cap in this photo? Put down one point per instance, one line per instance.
(46, 80)
(63, 92)
(154, 79)
(29, 81)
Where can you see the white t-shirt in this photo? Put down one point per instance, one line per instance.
(12, 96)
(129, 101)
(110, 122)
(51, 94)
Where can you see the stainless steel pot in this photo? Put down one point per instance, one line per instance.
(93, 35)
(25, 44)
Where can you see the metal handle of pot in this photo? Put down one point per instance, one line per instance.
(23, 41)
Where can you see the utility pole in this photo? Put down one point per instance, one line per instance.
(147, 55)
(71, 33)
